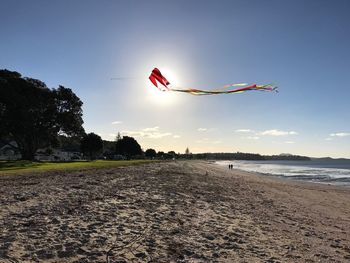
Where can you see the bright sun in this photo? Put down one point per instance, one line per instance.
(170, 76)
(163, 97)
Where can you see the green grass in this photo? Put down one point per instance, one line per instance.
(15, 167)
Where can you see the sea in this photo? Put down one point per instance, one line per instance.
(325, 170)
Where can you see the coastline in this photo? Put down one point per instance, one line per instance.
(298, 171)
(186, 211)
(291, 180)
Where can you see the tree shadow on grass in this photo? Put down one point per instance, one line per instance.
(18, 165)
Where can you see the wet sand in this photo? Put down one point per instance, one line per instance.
(171, 212)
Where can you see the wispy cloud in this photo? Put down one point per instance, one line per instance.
(202, 129)
(329, 139)
(340, 134)
(278, 133)
(152, 133)
(116, 122)
(244, 130)
(289, 142)
(152, 129)
(252, 137)
(176, 136)
(256, 135)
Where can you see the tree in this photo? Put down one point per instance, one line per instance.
(118, 137)
(150, 153)
(128, 147)
(188, 154)
(91, 145)
(108, 149)
(172, 153)
(160, 154)
(69, 143)
(33, 115)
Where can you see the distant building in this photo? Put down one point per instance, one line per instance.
(56, 155)
(8, 152)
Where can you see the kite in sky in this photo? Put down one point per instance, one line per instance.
(157, 78)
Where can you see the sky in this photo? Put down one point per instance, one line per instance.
(301, 46)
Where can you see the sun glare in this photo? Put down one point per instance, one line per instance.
(170, 76)
(163, 97)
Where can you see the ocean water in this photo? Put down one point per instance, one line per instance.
(326, 171)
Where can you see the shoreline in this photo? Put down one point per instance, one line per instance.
(282, 178)
(341, 182)
(183, 211)
(286, 180)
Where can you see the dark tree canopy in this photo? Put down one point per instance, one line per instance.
(108, 149)
(128, 147)
(150, 153)
(160, 154)
(91, 145)
(33, 115)
(69, 143)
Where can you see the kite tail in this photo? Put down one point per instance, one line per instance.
(226, 90)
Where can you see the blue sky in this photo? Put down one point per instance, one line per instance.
(302, 46)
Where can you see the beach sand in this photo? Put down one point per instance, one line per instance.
(186, 211)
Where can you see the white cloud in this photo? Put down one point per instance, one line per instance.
(132, 133)
(112, 135)
(244, 130)
(252, 137)
(278, 133)
(289, 142)
(176, 136)
(329, 139)
(116, 122)
(153, 129)
(202, 129)
(340, 134)
(158, 135)
(152, 133)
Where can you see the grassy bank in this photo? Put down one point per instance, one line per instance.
(14, 167)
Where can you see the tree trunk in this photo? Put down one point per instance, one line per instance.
(28, 154)
(27, 151)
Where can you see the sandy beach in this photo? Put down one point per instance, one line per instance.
(186, 211)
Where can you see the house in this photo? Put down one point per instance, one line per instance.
(8, 152)
(56, 155)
